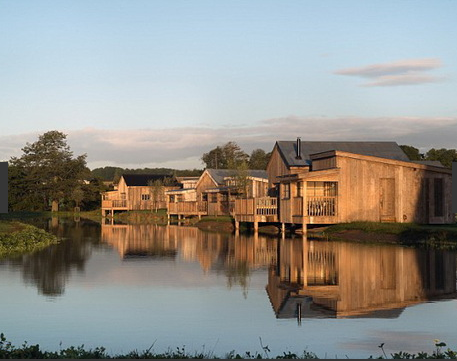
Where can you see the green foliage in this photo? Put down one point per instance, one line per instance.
(445, 156)
(412, 152)
(46, 172)
(228, 156)
(259, 159)
(24, 239)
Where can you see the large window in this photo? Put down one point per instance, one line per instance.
(321, 189)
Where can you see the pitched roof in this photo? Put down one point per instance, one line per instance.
(288, 149)
(143, 179)
(435, 163)
(219, 174)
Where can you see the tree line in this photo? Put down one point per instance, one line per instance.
(443, 155)
(47, 176)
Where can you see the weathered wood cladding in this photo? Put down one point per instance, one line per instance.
(218, 197)
(368, 189)
(133, 198)
(367, 184)
(277, 167)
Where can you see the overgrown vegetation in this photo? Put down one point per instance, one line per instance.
(26, 351)
(18, 238)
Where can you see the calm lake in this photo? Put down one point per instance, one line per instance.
(128, 287)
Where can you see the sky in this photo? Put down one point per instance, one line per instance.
(151, 83)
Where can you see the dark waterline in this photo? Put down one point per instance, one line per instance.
(127, 287)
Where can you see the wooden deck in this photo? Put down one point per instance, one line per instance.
(263, 209)
(297, 210)
(190, 208)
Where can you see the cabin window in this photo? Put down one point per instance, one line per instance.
(213, 198)
(171, 199)
(145, 197)
(286, 190)
(438, 196)
(299, 189)
(204, 197)
(179, 198)
(322, 189)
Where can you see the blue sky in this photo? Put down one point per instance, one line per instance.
(157, 83)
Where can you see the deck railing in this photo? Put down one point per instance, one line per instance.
(114, 203)
(321, 206)
(265, 206)
(189, 207)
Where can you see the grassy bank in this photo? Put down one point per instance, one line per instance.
(142, 217)
(26, 351)
(93, 215)
(436, 236)
(17, 238)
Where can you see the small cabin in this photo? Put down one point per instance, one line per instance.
(338, 182)
(138, 192)
(215, 192)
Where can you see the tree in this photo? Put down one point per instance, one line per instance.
(156, 190)
(241, 178)
(228, 156)
(412, 152)
(259, 159)
(77, 195)
(47, 172)
(445, 156)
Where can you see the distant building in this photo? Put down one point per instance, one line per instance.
(134, 192)
(215, 192)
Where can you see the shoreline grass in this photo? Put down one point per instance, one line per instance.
(408, 234)
(26, 351)
(18, 238)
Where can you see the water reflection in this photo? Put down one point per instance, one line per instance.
(234, 256)
(310, 278)
(50, 269)
(332, 279)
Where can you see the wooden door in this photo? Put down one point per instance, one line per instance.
(387, 200)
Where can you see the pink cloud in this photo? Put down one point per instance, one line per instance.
(402, 72)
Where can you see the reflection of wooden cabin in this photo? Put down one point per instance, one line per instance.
(336, 279)
(134, 192)
(211, 250)
(215, 192)
(337, 182)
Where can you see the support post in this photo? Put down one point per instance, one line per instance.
(283, 227)
(256, 226)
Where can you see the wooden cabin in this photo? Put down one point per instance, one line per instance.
(343, 279)
(215, 192)
(338, 182)
(134, 192)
